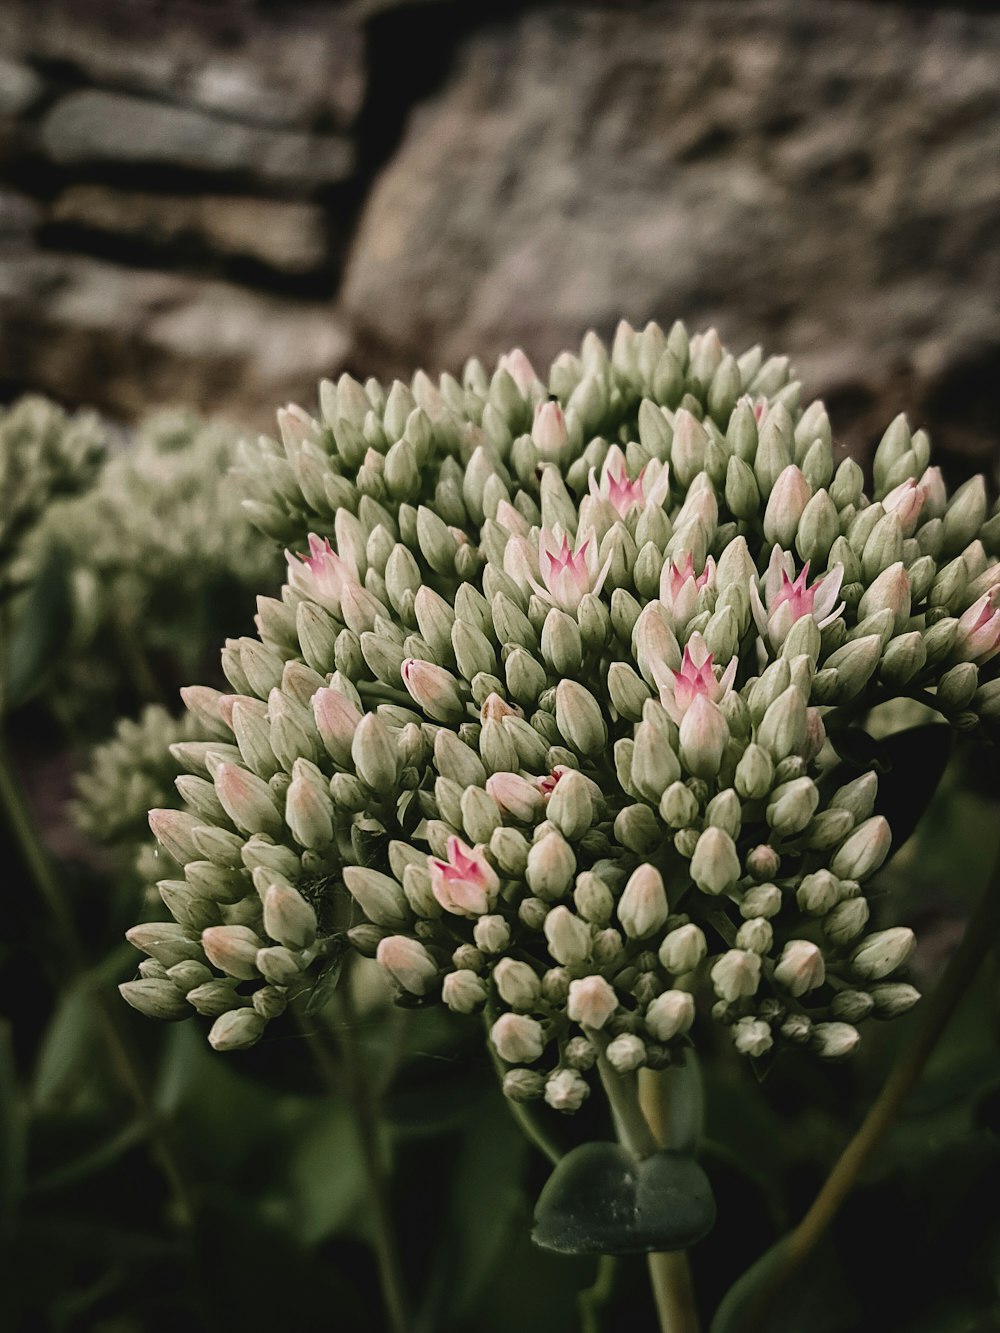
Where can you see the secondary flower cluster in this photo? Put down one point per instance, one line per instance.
(546, 716)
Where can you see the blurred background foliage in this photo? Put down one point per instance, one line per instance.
(215, 203)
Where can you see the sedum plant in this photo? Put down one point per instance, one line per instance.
(558, 717)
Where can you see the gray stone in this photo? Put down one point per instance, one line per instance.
(91, 126)
(824, 178)
(128, 340)
(287, 236)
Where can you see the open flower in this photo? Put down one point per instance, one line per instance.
(322, 575)
(978, 636)
(567, 574)
(650, 487)
(696, 679)
(787, 599)
(466, 883)
(680, 586)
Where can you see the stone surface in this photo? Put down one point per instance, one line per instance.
(824, 178)
(92, 126)
(127, 340)
(284, 235)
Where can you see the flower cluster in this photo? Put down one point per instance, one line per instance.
(546, 719)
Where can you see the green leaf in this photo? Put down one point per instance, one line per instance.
(817, 1297)
(38, 628)
(601, 1200)
(13, 1134)
(66, 1057)
(685, 1098)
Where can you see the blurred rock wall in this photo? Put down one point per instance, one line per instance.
(216, 203)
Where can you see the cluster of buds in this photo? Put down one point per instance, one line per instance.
(45, 455)
(545, 719)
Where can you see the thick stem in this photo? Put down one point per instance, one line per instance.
(351, 1080)
(40, 869)
(980, 936)
(669, 1272)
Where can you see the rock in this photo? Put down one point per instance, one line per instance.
(299, 65)
(20, 87)
(823, 178)
(286, 236)
(91, 126)
(128, 340)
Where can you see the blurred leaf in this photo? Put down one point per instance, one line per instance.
(685, 1098)
(816, 1298)
(600, 1200)
(322, 1178)
(39, 624)
(66, 1056)
(488, 1170)
(80, 1168)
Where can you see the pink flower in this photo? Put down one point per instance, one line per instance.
(322, 574)
(549, 429)
(787, 599)
(519, 368)
(906, 501)
(695, 680)
(680, 586)
(650, 487)
(466, 884)
(548, 784)
(568, 575)
(978, 636)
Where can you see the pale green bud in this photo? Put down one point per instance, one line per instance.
(940, 640)
(818, 892)
(529, 747)
(880, 954)
(785, 507)
(742, 492)
(957, 687)
(894, 998)
(704, 734)
(683, 949)
(642, 908)
(754, 773)
(525, 677)
(155, 998)
(185, 975)
(579, 718)
(463, 991)
(248, 801)
(637, 828)
(174, 831)
(479, 814)
(835, 1041)
(510, 850)
(233, 950)
(724, 811)
(379, 897)
(678, 805)
(715, 866)
(670, 1014)
(903, 659)
(567, 936)
(965, 515)
(517, 1039)
(278, 965)
(762, 900)
(784, 726)
(374, 754)
(236, 1030)
(792, 806)
(654, 764)
(309, 814)
(755, 934)
(253, 736)
(801, 967)
(562, 646)
(851, 1006)
(863, 851)
(551, 866)
(828, 828)
(850, 668)
(625, 1053)
(593, 899)
(736, 975)
(288, 918)
(571, 807)
(889, 592)
(408, 963)
(517, 983)
(165, 941)
(434, 619)
(858, 796)
(846, 921)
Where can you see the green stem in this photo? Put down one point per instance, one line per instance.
(593, 1299)
(980, 935)
(129, 1071)
(351, 1080)
(669, 1272)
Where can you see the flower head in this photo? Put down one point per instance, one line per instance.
(466, 883)
(787, 599)
(651, 486)
(680, 586)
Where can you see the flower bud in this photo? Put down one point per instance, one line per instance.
(880, 954)
(715, 866)
(591, 1001)
(752, 1036)
(670, 1014)
(551, 867)
(785, 507)
(835, 1041)
(851, 1006)
(642, 908)
(374, 753)
(510, 851)
(236, 1030)
(156, 998)
(679, 805)
(858, 796)
(894, 998)
(408, 963)
(754, 773)
(517, 1039)
(278, 965)
(784, 726)
(704, 735)
(627, 690)
(379, 897)
(755, 934)
(567, 936)
(571, 806)
(288, 918)
(579, 718)
(818, 892)
(846, 921)
(233, 950)
(309, 814)
(736, 975)
(889, 592)
(683, 949)
(515, 795)
(801, 967)
(608, 946)
(491, 933)
(566, 1090)
(625, 1053)
(861, 854)
(593, 899)
(792, 806)
(433, 689)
